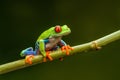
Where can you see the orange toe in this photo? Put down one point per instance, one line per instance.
(48, 55)
(66, 48)
(70, 47)
(28, 59)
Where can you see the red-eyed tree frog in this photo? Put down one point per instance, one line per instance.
(48, 41)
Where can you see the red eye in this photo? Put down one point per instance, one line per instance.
(58, 29)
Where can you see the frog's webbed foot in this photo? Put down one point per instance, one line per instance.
(27, 51)
(47, 56)
(66, 48)
(28, 59)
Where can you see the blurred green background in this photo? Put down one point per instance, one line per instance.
(22, 21)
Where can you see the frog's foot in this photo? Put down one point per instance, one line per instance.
(66, 48)
(26, 51)
(22, 53)
(95, 45)
(28, 59)
(47, 56)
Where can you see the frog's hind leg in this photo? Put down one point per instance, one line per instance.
(29, 54)
(27, 51)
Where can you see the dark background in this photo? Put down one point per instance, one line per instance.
(21, 22)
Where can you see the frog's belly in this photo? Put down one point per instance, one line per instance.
(52, 43)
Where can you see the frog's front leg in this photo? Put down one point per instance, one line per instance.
(65, 47)
(44, 52)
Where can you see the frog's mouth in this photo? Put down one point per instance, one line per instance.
(61, 34)
(66, 33)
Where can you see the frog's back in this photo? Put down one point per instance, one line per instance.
(45, 34)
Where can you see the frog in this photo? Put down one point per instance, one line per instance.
(49, 40)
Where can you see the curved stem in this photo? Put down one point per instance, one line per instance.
(11, 66)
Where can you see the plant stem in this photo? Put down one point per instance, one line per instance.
(11, 66)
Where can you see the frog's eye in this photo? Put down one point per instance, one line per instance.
(58, 29)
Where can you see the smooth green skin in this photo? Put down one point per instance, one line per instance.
(50, 33)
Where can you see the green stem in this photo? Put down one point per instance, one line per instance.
(11, 66)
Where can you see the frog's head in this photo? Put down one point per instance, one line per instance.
(59, 31)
